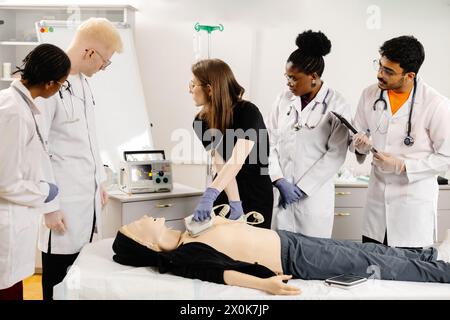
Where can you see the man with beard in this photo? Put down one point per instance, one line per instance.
(405, 124)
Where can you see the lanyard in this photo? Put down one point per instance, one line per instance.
(25, 98)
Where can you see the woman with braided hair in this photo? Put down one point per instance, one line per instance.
(308, 144)
(23, 192)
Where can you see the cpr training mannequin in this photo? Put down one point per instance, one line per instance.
(269, 258)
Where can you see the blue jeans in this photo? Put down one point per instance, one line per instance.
(313, 258)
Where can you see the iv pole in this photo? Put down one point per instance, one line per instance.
(198, 27)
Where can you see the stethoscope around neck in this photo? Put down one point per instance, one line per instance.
(297, 126)
(71, 118)
(408, 140)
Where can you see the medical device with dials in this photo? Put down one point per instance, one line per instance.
(141, 174)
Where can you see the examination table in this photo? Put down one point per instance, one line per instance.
(95, 275)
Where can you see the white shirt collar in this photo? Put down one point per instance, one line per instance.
(19, 85)
(320, 96)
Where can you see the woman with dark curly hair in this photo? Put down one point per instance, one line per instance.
(308, 144)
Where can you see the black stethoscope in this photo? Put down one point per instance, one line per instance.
(297, 125)
(72, 119)
(408, 141)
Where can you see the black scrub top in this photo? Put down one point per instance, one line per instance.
(253, 180)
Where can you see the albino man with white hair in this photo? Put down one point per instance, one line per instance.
(77, 168)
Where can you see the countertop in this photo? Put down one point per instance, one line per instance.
(178, 191)
(363, 184)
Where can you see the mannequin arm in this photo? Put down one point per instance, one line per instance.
(272, 285)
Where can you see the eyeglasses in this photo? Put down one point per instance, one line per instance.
(290, 79)
(106, 63)
(379, 67)
(192, 85)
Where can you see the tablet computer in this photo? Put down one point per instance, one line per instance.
(346, 280)
(349, 126)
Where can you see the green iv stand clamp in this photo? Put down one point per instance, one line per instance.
(198, 27)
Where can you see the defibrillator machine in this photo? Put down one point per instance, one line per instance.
(142, 173)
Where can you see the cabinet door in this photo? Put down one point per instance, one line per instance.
(347, 224)
(443, 223)
(350, 197)
(171, 209)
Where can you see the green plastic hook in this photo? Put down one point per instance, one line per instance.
(208, 29)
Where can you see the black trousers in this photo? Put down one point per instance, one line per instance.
(385, 242)
(55, 266)
(54, 269)
(12, 293)
(370, 240)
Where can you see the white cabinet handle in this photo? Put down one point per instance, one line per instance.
(342, 214)
(166, 205)
(343, 193)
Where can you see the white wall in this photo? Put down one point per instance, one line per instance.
(258, 37)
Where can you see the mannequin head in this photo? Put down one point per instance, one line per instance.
(145, 242)
(152, 233)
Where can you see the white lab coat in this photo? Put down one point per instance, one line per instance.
(77, 167)
(406, 205)
(22, 194)
(308, 157)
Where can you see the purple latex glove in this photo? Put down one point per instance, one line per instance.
(289, 192)
(204, 207)
(236, 210)
(52, 191)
